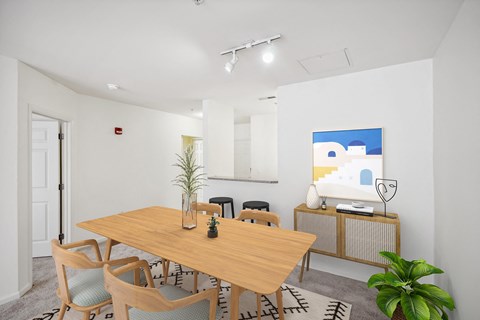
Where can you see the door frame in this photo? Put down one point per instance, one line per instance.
(66, 129)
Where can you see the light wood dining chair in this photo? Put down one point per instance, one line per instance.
(132, 302)
(210, 209)
(264, 218)
(84, 291)
(260, 217)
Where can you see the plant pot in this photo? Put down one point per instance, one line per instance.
(189, 211)
(398, 314)
(212, 234)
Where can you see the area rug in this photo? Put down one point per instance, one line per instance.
(298, 304)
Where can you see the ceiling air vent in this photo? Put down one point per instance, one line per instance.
(326, 62)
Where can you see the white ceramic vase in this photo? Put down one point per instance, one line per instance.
(313, 199)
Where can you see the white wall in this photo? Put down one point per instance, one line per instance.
(43, 95)
(134, 170)
(264, 144)
(456, 75)
(397, 98)
(10, 288)
(218, 130)
(241, 153)
(109, 173)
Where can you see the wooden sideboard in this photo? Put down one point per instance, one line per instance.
(348, 236)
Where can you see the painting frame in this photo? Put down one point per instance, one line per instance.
(346, 162)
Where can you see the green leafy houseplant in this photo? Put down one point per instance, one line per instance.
(212, 227)
(212, 224)
(400, 285)
(191, 178)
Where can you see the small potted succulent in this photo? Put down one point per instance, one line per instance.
(212, 227)
(401, 296)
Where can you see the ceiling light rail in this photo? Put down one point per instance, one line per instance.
(250, 44)
(267, 56)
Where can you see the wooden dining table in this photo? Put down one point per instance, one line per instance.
(248, 256)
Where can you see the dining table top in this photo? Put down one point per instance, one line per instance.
(251, 256)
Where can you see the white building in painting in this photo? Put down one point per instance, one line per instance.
(349, 173)
(357, 148)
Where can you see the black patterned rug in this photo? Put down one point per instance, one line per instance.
(297, 303)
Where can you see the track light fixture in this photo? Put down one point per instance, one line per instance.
(268, 56)
(231, 64)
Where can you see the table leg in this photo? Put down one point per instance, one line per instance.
(165, 268)
(281, 315)
(235, 301)
(108, 248)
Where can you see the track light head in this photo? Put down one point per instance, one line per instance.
(268, 55)
(230, 65)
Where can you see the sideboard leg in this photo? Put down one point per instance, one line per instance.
(308, 260)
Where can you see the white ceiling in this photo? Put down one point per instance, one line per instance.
(165, 53)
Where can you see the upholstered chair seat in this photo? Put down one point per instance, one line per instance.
(87, 288)
(134, 302)
(200, 310)
(84, 291)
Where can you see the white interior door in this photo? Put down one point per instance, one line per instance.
(45, 182)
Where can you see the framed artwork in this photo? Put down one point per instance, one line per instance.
(347, 162)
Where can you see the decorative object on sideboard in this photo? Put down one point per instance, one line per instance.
(386, 189)
(402, 296)
(358, 204)
(212, 227)
(324, 202)
(350, 209)
(313, 200)
(190, 180)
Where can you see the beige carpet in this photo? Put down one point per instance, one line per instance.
(298, 303)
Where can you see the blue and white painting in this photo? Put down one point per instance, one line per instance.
(347, 162)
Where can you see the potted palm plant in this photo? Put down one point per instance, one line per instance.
(401, 296)
(190, 180)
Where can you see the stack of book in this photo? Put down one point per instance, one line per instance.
(347, 208)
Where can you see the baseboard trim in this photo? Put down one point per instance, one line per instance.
(15, 295)
(25, 289)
